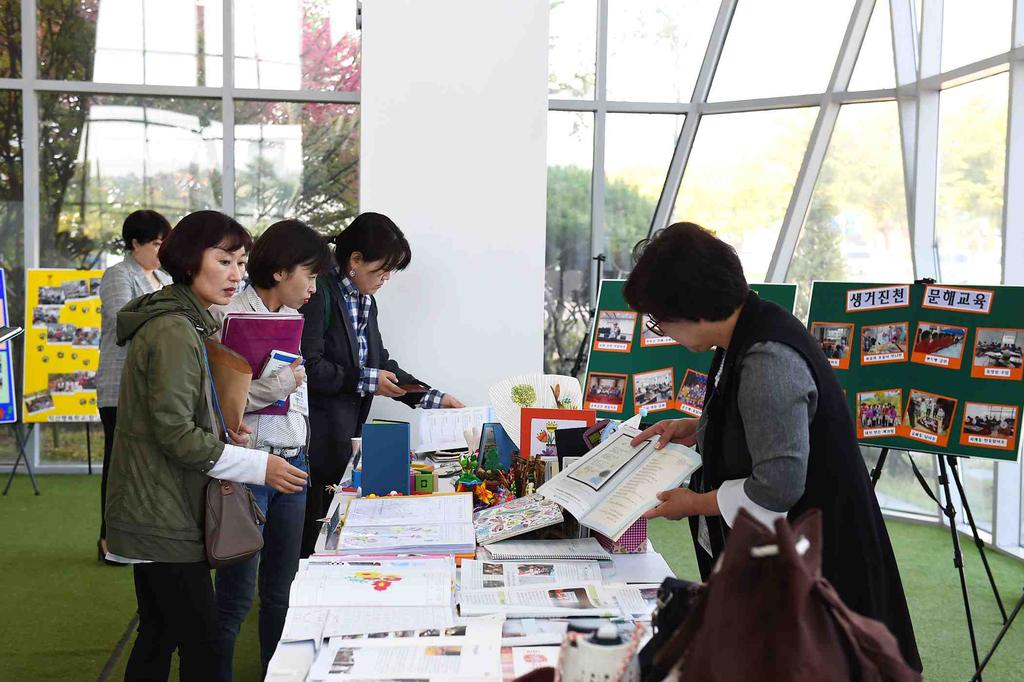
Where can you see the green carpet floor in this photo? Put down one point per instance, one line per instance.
(62, 613)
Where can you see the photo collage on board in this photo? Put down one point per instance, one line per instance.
(63, 338)
(944, 348)
(659, 389)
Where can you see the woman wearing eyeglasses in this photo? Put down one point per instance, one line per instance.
(776, 436)
(346, 361)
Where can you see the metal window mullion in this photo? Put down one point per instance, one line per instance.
(597, 181)
(1006, 517)
(30, 160)
(817, 147)
(228, 111)
(922, 230)
(904, 52)
(688, 133)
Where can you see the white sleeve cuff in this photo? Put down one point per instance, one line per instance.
(242, 465)
(732, 497)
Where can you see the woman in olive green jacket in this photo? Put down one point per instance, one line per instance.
(166, 448)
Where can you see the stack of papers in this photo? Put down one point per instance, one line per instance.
(428, 524)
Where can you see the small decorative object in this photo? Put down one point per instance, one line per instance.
(523, 395)
(483, 495)
(394, 493)
(468, 479)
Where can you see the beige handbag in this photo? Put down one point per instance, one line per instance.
(234, 521)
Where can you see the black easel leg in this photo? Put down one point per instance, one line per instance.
(876, 472)
(978, 542)
(22, 455)
(958, 559)
(999, 639)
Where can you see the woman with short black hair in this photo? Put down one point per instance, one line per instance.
(776, 437)
(139, 273)
(346, 361)
(168, 444)
(283, 267)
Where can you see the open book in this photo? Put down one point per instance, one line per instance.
(613, 484)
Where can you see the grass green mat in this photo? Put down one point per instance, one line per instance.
(63, 612)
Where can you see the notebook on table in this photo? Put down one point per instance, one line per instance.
(582, 549)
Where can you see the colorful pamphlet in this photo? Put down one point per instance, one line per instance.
(514, 518)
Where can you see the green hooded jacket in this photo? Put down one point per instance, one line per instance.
(163, 443)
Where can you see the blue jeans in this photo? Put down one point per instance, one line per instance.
(276, 565)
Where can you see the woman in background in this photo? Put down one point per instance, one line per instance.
(168, 445)
(282, 267)
(139, 273)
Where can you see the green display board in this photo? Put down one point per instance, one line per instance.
(927, 367)
(630, 367)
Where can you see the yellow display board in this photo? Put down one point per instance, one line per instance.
(62, 345)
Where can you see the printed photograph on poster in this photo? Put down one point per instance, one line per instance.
(990, 426)
(650, 337)
(538, 427)
(836, 342)
(60, 333)
(883, 343)
(605, 392)
(997, 354)
(928, 418)
(691, 393)
(878, 412)
(51, 296)
(40, 401)
(88, 337)
(86, 380)
(653, 390)
(614, 331)
(94, 286)
(45, 315)
(63, 384)
(76, 289)
(939, 345)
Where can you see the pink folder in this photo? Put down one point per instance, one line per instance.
(255, 335)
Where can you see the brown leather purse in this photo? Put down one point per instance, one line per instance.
(234, 521)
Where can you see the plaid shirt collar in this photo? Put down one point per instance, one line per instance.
(346, 285)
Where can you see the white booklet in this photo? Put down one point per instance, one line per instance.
(613, 484)
(373, 587)
(487, 575)
(580, 599)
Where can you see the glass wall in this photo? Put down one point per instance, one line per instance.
(793, 146)
(275, 135)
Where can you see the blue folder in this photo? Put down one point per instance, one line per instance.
(385, 459)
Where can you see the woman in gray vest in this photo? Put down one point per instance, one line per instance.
(139, 273)
(776, 436)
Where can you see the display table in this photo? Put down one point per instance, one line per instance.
(292, 660)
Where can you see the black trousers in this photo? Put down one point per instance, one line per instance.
(177, 611)
(108, 417)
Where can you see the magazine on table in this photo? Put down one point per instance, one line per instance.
(516, 517)
(465, 651)
(488, 575)
(580, 599)
(374, 586)
(612, 485)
